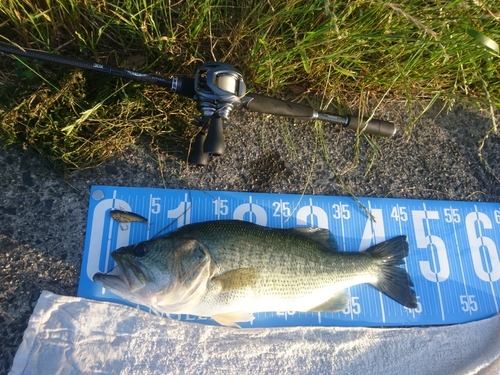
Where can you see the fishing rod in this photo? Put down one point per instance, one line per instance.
(217, 88)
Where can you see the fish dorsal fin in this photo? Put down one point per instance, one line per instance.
(230, 319)
(240, 278)
(321, 236)
(339, 301)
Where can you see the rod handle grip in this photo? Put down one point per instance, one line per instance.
(214, 144)
(374, 126)
(278, 107)
(197, 155)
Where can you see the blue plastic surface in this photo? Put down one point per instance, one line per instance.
(453, 261)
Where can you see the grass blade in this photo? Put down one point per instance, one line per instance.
(483, 39)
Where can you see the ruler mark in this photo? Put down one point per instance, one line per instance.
(400, 225)
(433, 247)
(457, 244)
(374, 241)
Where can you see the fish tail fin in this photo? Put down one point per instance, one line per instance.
(394, 281)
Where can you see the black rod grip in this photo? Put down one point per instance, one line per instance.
(278, 107)
(374, 126)
(197, 155)
(214, 143)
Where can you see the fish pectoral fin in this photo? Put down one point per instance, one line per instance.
(230, 319)
(339, 301)
(236, 279)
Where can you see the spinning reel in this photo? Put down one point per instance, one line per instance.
(218, 88)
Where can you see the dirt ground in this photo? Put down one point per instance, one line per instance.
(43, 213)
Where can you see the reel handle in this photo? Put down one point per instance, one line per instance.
(209, 143)
(197, 155)
(214, 143)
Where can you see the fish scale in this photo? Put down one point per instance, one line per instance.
(229, 269)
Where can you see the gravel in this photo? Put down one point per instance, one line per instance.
(43, 213)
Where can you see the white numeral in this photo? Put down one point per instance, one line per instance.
(399, 213)
(482, 244)
(354, 307)
(374, 231)
(182, 213)
(281, 209)
(425, 241)
(468, 303)
(451, 215)
(312, 215)
(341, 211)
(497, 216)
(221, 207)
(155, 205)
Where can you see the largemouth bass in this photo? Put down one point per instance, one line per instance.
(230, 269)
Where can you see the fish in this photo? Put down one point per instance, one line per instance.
(127, 216)
(229, 269)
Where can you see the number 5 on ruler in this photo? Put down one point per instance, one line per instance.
(424, 241)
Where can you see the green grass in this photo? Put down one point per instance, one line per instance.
(323, 50)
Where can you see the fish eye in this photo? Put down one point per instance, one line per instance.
(140, 250)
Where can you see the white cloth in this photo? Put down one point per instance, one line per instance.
(69, 335)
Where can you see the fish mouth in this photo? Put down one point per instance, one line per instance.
(129, 278)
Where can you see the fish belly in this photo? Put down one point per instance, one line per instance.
(282, 292)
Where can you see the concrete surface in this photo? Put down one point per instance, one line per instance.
(43, 213)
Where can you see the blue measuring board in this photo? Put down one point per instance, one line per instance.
(453, 260)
